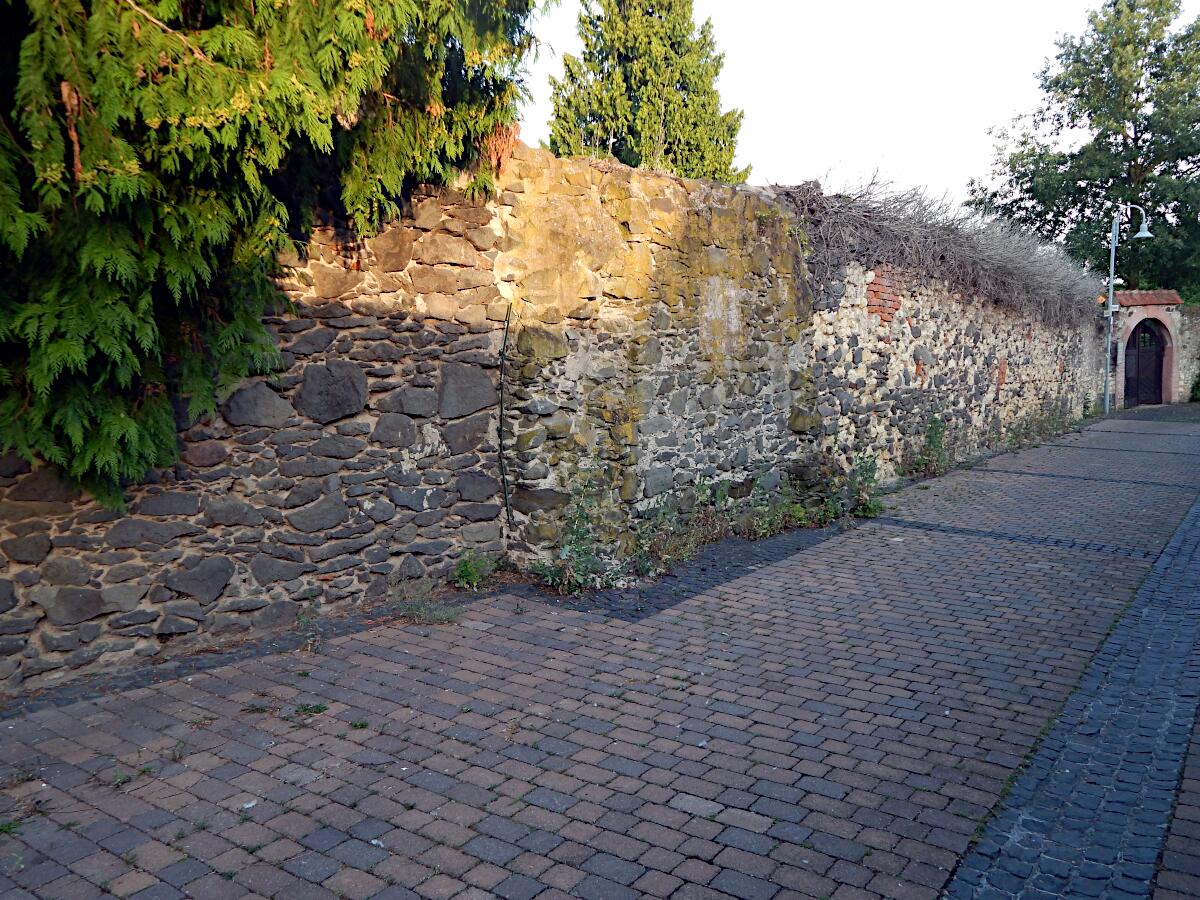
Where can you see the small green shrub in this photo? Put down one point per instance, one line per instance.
(770, 514)
(582, 561)
(666, 536)
(863, 479)
(934, 458)
(9, 827)
(828, 513)
(473, 570)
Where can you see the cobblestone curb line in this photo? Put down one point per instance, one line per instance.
(1089, 814)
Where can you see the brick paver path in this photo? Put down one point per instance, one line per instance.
(836, 723)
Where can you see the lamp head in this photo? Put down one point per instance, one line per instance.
(1143, 232)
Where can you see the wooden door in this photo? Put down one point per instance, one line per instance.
(1143, 365)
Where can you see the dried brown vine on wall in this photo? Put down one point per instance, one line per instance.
(910, 231)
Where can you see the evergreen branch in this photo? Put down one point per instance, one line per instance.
(196, 51)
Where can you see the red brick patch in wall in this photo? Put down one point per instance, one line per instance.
(1003, 373)
(883, 294)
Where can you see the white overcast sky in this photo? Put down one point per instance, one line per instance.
(839, 91)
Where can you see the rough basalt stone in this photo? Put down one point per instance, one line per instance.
(123, 597)
(136, 617)
(392, 249)
(464, 389)
(412, 401)
(31, 548)
(229, 511)
(171, 625)
(327, 512)
(133, 532)
(337, 446)
(44, 485)
(12, 465)
(466, 434)
(20, 624)
(267, 569)
(66, 570)
(335, 548)
(332, 391)
(205, 581)
(170, 504)
(394, 430)
(277, 615)
(205, 454)
(418, 499)
(315, 341)
(68, 605)
(658, 481)
(187, 609)
(8, 597)
(477, 512)
(378, 509)
(309, 467)
(303, 493)
(125, 572)
(474, 486)
(330, 282)
(242, 604)
(257, 404)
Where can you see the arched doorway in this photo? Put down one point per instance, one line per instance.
(1144, 364)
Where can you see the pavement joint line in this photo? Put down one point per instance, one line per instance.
(1062, 543)
(1132, 482)
(1137, 451)
(1090, 812)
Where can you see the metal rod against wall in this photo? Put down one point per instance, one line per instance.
(1108, 310)
(500, 427)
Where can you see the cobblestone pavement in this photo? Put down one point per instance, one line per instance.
(1179, 870)
(834, 721)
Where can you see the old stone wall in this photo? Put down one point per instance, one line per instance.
(663, 340)
(1188, 359)
(592, 327)
(892, 351)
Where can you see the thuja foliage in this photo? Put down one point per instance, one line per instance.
(644, 91)
(155, 157)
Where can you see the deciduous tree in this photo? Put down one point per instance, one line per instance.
(1120, 123)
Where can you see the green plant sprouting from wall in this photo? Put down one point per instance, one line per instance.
(672, 531)
(864, 478)
(934, 457)
(473, 570)
(583, 561)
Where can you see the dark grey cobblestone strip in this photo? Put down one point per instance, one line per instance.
(1089, 815)
(1064, 543)
(1132, 482)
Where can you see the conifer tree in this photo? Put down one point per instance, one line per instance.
(153, 157)
(644, 91)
